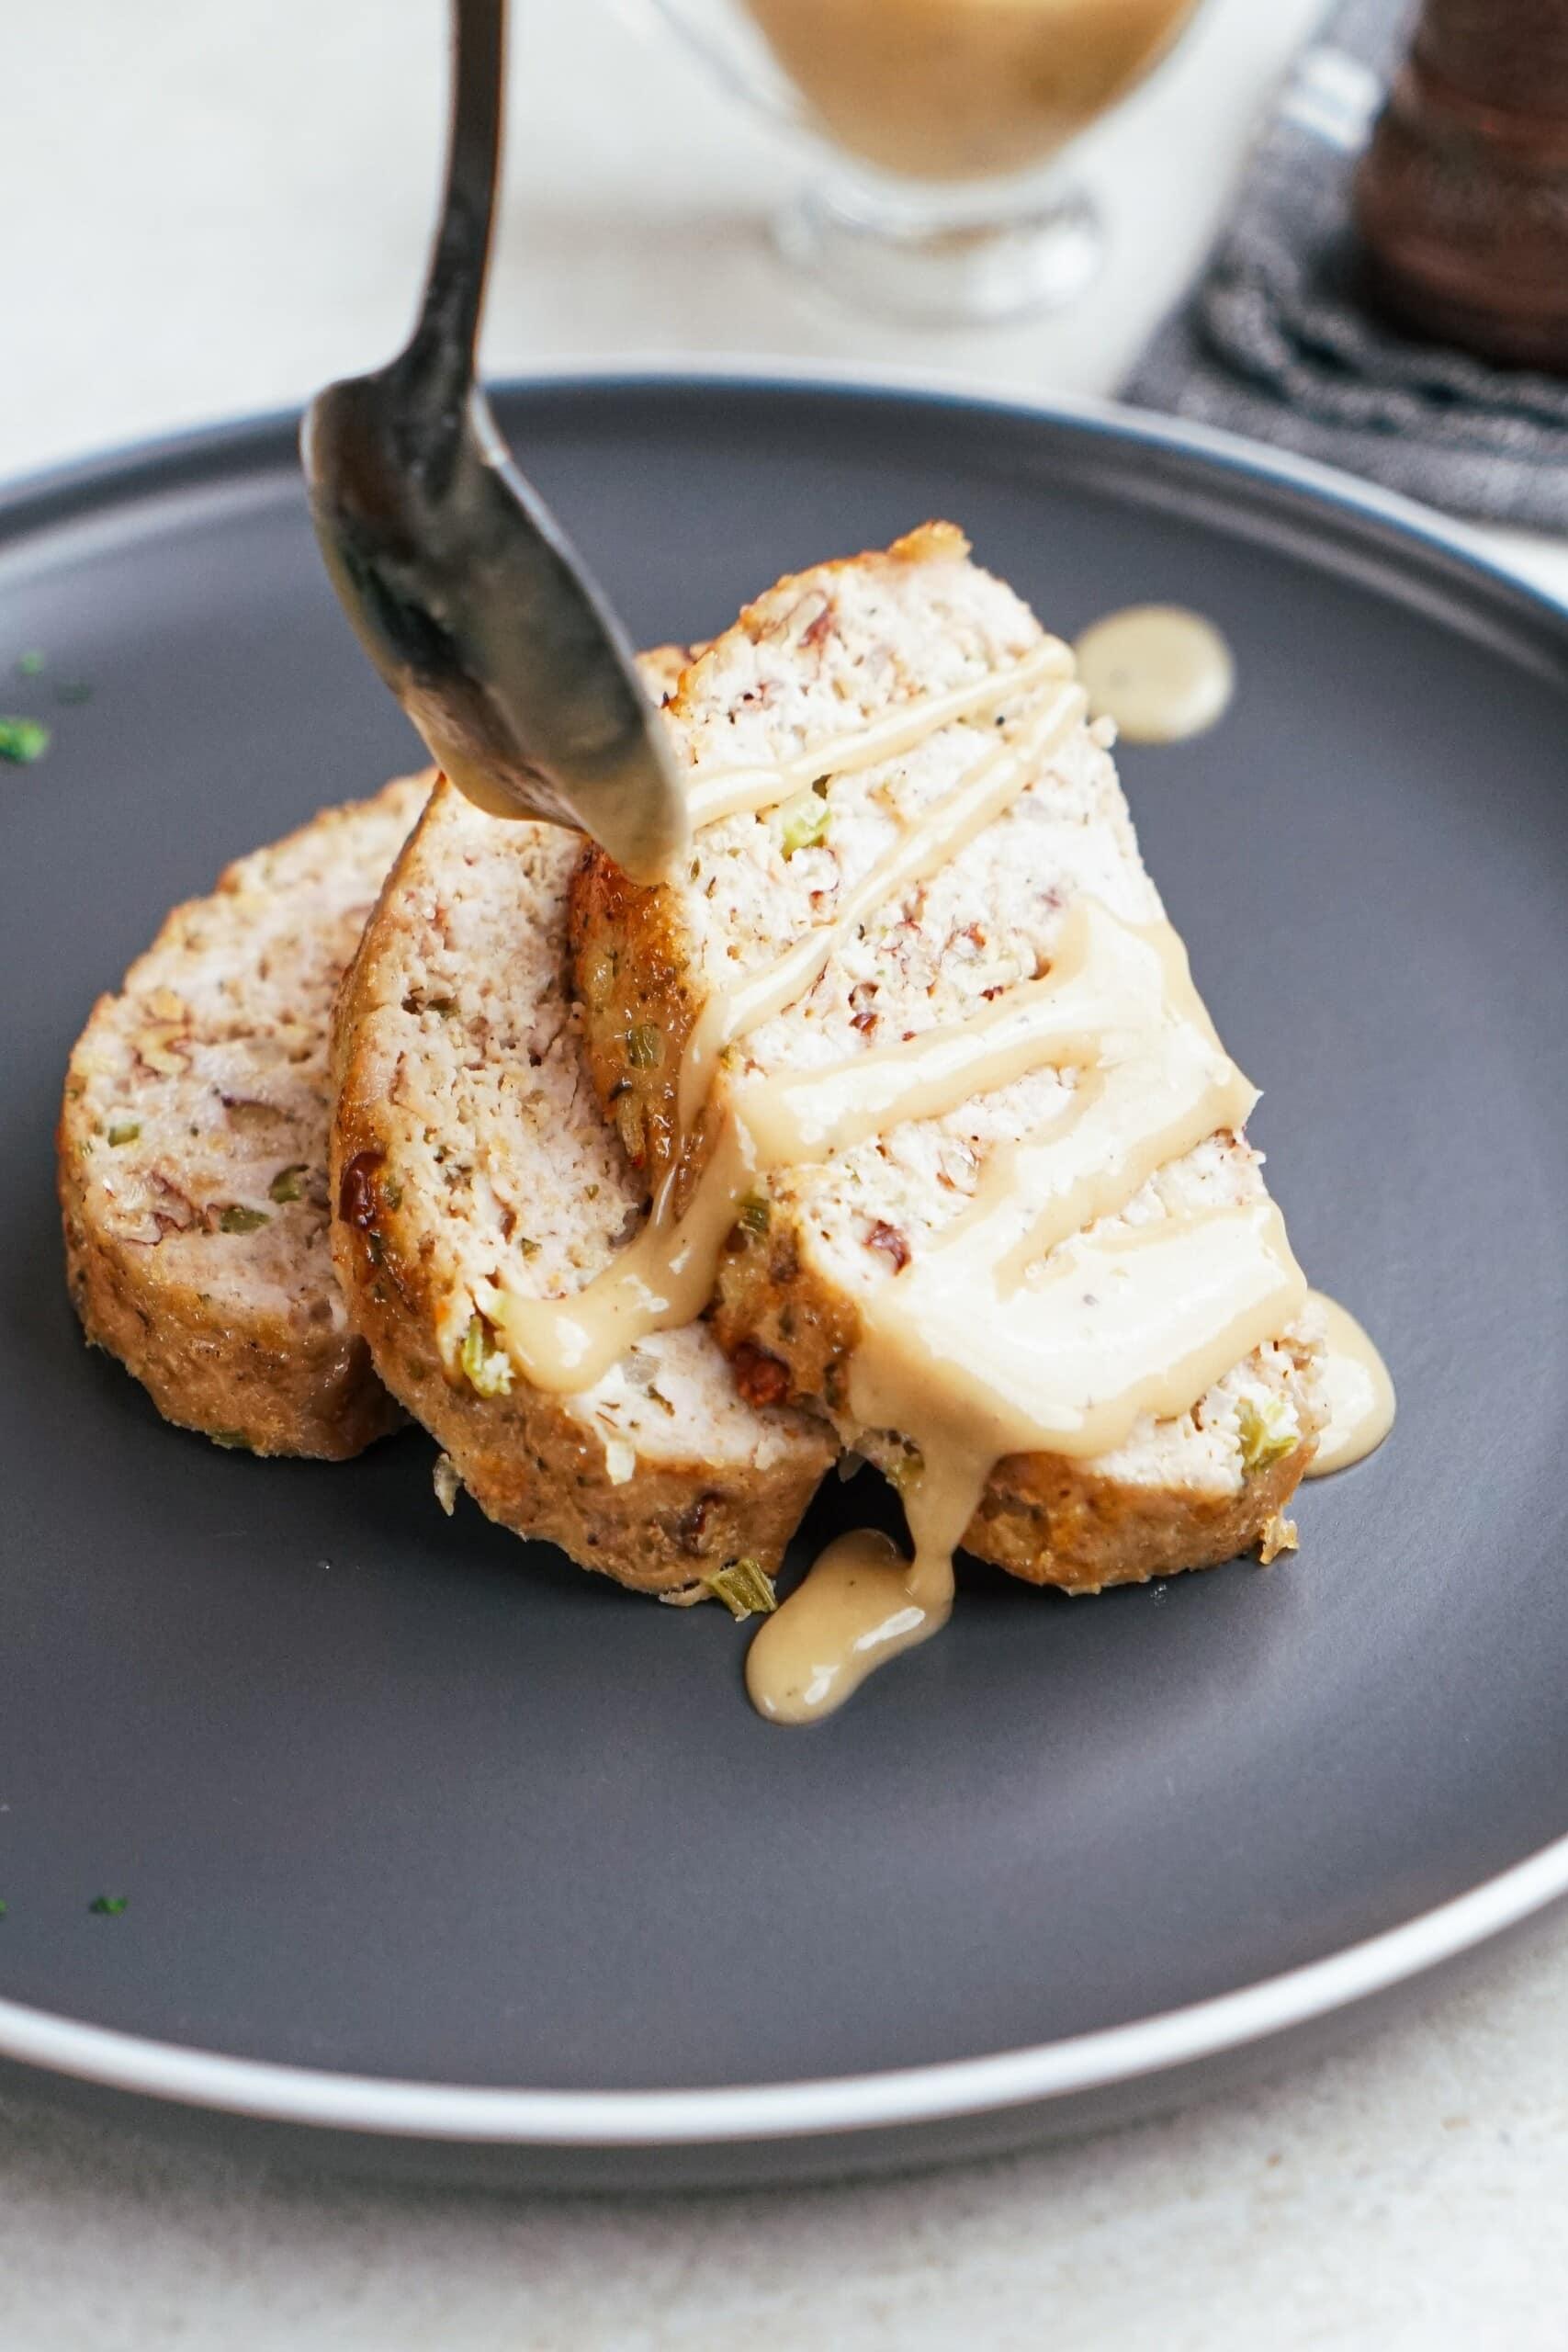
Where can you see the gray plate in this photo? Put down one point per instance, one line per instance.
(469, 1860)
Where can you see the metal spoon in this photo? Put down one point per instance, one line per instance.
(462, 587)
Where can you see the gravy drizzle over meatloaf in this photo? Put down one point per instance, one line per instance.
(922, 1083)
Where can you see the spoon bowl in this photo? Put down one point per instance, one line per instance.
(460, 584)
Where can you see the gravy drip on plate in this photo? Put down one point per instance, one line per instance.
(1016, 1331)
(1161, 671)
(1359, 1392)
(854, 1611)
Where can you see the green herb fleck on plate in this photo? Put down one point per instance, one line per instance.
(29, 665)
(22, 740)
(109, 1906)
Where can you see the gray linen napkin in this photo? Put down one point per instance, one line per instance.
(1271, 342)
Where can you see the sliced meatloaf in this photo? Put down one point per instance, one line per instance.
(468, 1148)
(193, 1147)
(825, 653)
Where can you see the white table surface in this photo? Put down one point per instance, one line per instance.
(215, 209)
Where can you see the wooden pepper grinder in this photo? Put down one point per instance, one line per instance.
(1462, 199)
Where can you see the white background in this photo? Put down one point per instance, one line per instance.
(214, 207)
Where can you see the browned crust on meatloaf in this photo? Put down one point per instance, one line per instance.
(257, 1382)
(528, 1463)
(624, 959)
(630, 975)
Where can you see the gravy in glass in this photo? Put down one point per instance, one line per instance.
(963, 89)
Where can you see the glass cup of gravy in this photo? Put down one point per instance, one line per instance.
(936, 128)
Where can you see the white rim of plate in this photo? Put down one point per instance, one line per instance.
(900, 2097)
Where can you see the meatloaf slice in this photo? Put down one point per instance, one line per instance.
(468, 1148)
(193, 1147)
(824, 654)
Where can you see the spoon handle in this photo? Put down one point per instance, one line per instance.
(436, 370)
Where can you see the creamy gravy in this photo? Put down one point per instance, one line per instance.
(1015, 1330)
(1160, 672)
(854, 1611)
(922, 849)
(716, 793)
(1361, 1394)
